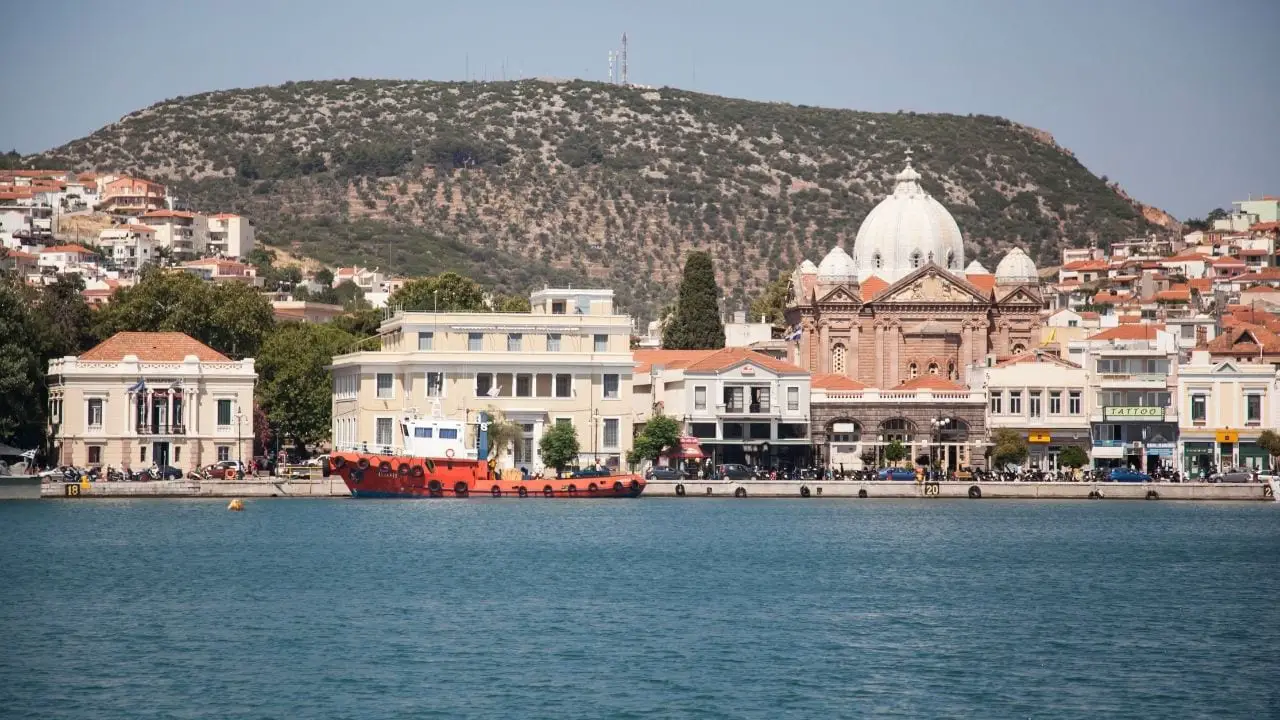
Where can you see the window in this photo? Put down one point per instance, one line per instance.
(951, 260)
(553, 342)
(422, 432)
(386, 390)
(877, 261)
(224, 453)
(448, 433)
(1073, 323)
(95, 412)
(997, 400)
(793, 399)
(224, 412)
(1253, 409)
(1055, 402)
(1188, 332)
(382, 431)
(564, 421)
(514, 341)
(475, 341)
(564, 385)
(1015, 402)
(733, 399)
(1034, 403)
(915, 259)
(610, 387)
(1073, 402)
(426, 340)
(435, 384)
(913, 370)
(177, 454)
(838, 354)
(699, 398)
(933, 368)
(1198, 410)
(557, 307)
(524, 385)
(602, 343)
(484, 383)
(95, 454)
(142, 453)
(611, 432)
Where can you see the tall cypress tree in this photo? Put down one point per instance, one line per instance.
(696, 324)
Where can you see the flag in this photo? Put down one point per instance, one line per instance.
(792, 333)
(139, 386)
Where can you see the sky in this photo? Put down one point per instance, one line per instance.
(1178, 101)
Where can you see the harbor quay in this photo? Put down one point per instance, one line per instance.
(333, 487)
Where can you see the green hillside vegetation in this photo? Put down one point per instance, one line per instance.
(523, 183)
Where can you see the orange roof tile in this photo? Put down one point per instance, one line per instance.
(872, 287)
(930, 382)
(1090, 315)
(1201, 285)
(21, 255)
(1265, 226)
(152, 347)
(986, 282)
(718, 360)
(1031, 356)
(1227, 262)
(1245, 339)
(1128, 332)
(67, 249)
(836, 382)
(1079, 265)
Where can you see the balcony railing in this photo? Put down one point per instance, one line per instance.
(162, 429)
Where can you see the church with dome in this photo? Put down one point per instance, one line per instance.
(905, 313)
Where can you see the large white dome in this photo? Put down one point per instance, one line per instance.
(837, 267)
(905, 231)
(1017, 268)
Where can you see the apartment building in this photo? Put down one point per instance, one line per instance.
(1224, 405)
(132, 196)
(230, 235)
(186, 234)
(1043, 398)
(566, 361)
(131, 246)
(139, 399)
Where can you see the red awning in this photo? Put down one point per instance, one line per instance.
(689, 449)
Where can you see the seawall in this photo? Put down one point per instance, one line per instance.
(271, 487)
(984, 490)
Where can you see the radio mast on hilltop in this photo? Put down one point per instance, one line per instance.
(624, 59)
(612, 57)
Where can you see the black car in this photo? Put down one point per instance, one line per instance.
(733, 471)
(663, 473)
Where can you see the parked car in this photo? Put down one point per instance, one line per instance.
(227, 470)
(734, 471)
(663, 473)
(318, 461)
(1234, 475)
(1127, 475)
(897, 474)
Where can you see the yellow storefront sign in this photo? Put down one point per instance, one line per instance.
(1038, 436)
(1227, 436)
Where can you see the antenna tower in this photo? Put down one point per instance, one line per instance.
(624, 60)
(612, 56)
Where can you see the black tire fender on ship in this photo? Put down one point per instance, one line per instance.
(356, 476)
(679, 490)
(363, 463)
(1153, 495)
(975, 492)
(496, 491)
(740, 492)
(804, 491)
(709, 490)
(384, 467)
(1094, 494)
(337, 461)
(593, 488)
(617, 486)
(434, 486)
(403, 469)
(524, 491)
(634, 486)
(548, 492)
(416, 471)
(573, 489)
(460, 489)
(862, 493)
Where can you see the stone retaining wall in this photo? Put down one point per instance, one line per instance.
(987, 490)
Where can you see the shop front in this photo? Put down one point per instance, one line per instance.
(1197, 459)
(1045, 446)
(1135, 437)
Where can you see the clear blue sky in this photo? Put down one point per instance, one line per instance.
(1179, 101)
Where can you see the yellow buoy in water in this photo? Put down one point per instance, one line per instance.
(236, 505)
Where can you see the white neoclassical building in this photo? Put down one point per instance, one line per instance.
(1223, 406)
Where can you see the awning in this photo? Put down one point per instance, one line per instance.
(688, 449)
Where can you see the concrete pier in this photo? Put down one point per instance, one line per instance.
(967, 490)
(249, 487)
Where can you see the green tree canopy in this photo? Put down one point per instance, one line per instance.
(1074, 457)
(512, 304)
(659, 433)
(772, 302)
(64, 320)
(895, 451)
(559, 446)
(1008, 447)
(1269, 440)
(22, 409)
(503, 433)
(323, 276)
(349, 296)
(446, 292)
(696, 324)
(294, 386)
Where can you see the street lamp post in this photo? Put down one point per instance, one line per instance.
(239, 416)
(938, 424)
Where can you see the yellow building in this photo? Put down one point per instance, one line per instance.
(140, 399)
(566, 361)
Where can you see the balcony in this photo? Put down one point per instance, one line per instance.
(1133, 380)
(746, 409)
(162, 429)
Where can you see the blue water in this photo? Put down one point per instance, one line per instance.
(655, 608)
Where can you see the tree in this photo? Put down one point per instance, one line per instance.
(696, 324)
(22, 409)
(1073, 457)
(772, 302)
(359, 324)
(1008, 447)
(895, 451)
(1269, 440)
(503, 433)
(446, 292)
(659, 434)
(350, 296)
(241, 318)
(63, 319)
(512, 304)
(323, 276)
(559, 446)
(294, 385)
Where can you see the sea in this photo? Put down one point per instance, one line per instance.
(648, 608)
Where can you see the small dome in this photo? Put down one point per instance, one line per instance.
(905, 231)
(808, 268)
(975, 268)
(1016, 268)
(837, 267)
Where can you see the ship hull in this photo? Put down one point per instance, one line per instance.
(387, 477)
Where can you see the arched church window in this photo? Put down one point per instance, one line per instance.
(913, 370)
(951, 371)
(1019, 348)
(933, 368)
(877, 261)
(915, 259)
(838, 358)
(951, 260)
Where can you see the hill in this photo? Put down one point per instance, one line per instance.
(520, 183)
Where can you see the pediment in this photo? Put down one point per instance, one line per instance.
(931, 284)
(1020, 295)
(840, 294)
(1226, 367)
